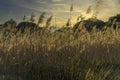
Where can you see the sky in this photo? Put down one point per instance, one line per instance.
(16, 9)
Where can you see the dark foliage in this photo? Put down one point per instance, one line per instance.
(31, 26)
(10, 23)
(89, 24)
(114, 21)
(64, 29)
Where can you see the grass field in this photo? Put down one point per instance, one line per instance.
(60, 56)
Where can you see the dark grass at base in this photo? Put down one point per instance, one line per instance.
(77, 69)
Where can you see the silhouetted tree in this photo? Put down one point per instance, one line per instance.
(89, 24)
(114, 21)
(27, 25)
(10, 23)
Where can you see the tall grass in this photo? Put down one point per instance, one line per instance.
(60, 56)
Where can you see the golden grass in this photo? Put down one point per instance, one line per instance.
(60, 56)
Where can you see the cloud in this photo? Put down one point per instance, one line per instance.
(56, 0)
(61, 7)
(108, 8)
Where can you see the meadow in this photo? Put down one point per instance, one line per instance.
(67, 55)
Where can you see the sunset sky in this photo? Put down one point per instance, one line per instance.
(16, 9)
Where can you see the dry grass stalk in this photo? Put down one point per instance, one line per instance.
(41, 18)
(68, 22)
(89, 9)
(48, 22)
(32, 17)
